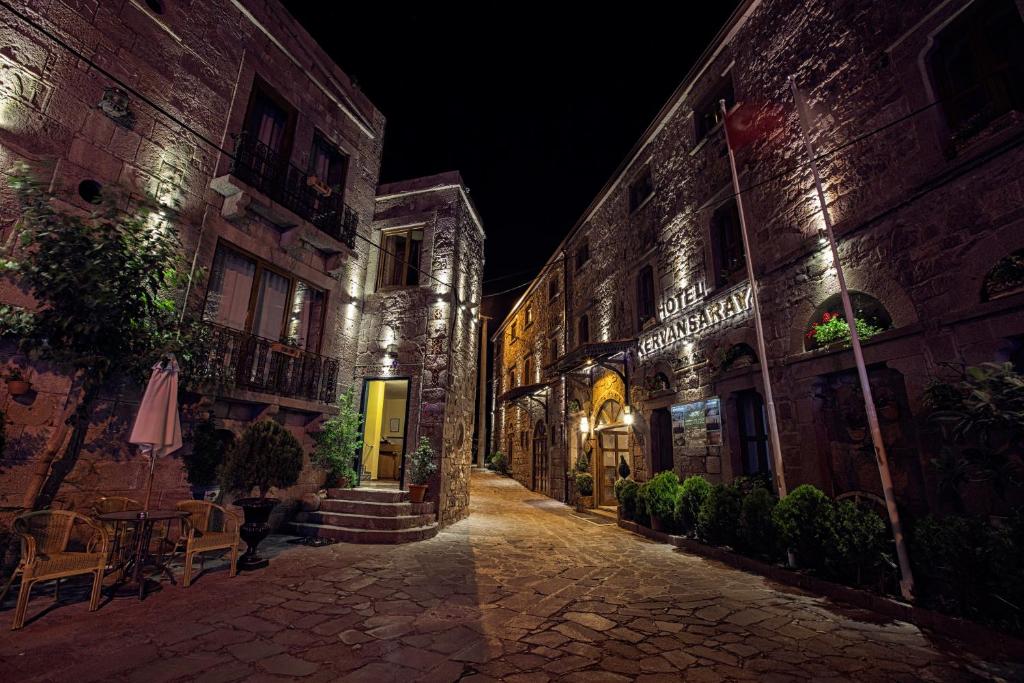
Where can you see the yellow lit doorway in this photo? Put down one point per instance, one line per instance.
(386, 414)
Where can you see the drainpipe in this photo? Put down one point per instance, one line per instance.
(481, 391)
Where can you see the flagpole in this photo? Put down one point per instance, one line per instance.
(882, 458)
(773, 423)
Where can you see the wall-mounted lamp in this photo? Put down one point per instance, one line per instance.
(627, 417)
(584, 425)
(391, 349)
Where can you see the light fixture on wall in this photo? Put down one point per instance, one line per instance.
(584, 424)
(627, 416)
(391, 349)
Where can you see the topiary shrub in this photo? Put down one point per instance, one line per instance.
(719, 515)
(861, 541)
(422, 463)
(755, 531)
(626, 493)
(804, 519)
(692, 494)
(584, 484)
(498, 463)
(266, 455)
(660, 495)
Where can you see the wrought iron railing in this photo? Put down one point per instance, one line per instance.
(264, 169)
(246, 361)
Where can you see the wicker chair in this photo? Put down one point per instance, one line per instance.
(210, 527)
(45, 555)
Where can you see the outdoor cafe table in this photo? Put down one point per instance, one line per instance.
(131, 558)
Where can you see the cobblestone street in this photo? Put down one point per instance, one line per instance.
(521, 591)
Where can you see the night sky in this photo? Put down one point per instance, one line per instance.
(536, 107)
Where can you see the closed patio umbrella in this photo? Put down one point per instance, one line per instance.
(157, 429)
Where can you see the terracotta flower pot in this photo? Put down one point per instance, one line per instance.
(254, 529)
(18, 387)
(417, 492)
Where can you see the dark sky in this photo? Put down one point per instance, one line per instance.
(536, 107)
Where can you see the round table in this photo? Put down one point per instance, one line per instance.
(132, 557)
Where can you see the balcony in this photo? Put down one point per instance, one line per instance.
(266, 171)
(245, 361)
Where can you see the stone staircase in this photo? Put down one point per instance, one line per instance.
(366, 515)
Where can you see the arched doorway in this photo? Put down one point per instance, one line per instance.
(541, 474)
(612, 442)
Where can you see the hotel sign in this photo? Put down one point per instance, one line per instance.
(687, 314)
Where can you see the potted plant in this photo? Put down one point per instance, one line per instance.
(202, 462)
(319, 186)
(660, 494)
(339, 444)
(17, 385)
(584, 482)
(421, 466)
(266, 455)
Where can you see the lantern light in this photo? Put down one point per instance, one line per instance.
(584, 424)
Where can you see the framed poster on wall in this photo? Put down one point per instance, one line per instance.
(697, 424)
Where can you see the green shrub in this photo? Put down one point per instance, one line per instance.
(422, 463)
(967, 567)
(692, 495)
(804, 519)
(583, 462)
(719, 515)
(641, 516)
(860, 544)
(340, 442)
(209, 446)
(499, 463)
(756, 533)
(626, 493)
(265, 455)
(660, 495)
(584, 484)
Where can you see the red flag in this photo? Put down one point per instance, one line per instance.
(748, 121)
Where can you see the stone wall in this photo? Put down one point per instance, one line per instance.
(921, 216)
(198, 63)
(434, 325)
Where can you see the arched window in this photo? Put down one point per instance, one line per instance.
(738, 356)
(1005, 278)
(828, 324)
(644, 295)
(583, 330)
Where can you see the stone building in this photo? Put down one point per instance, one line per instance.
(266, 157)
(918, 118)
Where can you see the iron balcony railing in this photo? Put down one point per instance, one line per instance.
(258, 165)
(246, 361)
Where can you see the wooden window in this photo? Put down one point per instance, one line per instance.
(553, 349)
(513, 333)
(400, 258)
(645, 295)
(753, 433)
(529, 316)
(730, 266)
(528, 371)
(327, 163)
(640, 190)
(552, 288)
(270, 119)
(249, 295)
(583, 330)
(511, 378)
(978, 66)
(708, 114)
(582, 254)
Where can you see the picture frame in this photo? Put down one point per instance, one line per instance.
(394, 425)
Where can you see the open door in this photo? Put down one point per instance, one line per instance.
(385, 418)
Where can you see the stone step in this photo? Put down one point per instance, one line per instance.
(375, 509)
(370, 495)
(369, 522)
(377, 536)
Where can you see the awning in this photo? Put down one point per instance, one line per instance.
(525, 391)
(593, 353)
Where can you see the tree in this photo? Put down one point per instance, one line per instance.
(340, 441)
(105, 284)
(266, 455)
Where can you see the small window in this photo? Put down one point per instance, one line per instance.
(640, 190)
(270, 120)
(522, 439)
(513, 332)
(730, 266)
(327, 164)
(553, 350)
(582, 255)
(511, 378)
(978, 66)
(708, 115)
(529, 316)
(528, 371)
(583, 330)
(645, 295)
(552, 288)
(400, 258)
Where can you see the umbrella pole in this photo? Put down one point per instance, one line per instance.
(149, 484)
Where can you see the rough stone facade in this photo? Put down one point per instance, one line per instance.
(433, 325)
(201, 65)
(923, 210)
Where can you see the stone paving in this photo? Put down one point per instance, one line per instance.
(523, 590)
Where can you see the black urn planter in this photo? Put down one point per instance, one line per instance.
(254, 529)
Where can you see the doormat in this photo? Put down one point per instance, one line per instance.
(599, 520)
(314, 541)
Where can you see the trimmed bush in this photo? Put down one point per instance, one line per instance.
(719, 515)
(804, 519)
(755, 532)
(860, 544)
(267, 455)
(498, 463)
(660, 495)
(584, 484)
(692, 495)
(626, 493)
